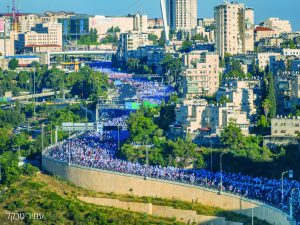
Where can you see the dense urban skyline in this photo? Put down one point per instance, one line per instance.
(263, 9)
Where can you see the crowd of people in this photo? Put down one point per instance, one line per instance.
(150, 91)
(98, 150)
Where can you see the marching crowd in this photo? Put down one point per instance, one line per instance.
(98, 150)
(151, 91)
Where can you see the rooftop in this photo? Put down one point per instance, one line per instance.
(260, 28)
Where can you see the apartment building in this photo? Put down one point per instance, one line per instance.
(264, 32)
(291, 52)
(234, 32)
(182, 14)
(131, 23)
(197, 116)
(200, 75)
(131, 41)
(281, 26)
(285, 126)
(42, 38)
(243, 94)
(263, 59)
(287, 91)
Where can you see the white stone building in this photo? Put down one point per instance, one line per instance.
(234, 32)
(201, 74)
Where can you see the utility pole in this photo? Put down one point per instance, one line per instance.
(119, 137)
(290, 172)
(69, 140)
(221, 170)
(42, 138)
(33, 96)
(211, 157)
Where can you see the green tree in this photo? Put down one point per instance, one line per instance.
(186, 46)
(266, 104)
(153, 38)
(232, 135)
(13, 64)
(141, 128)
(271, 95)
(171, 67)
(10, 171)
(4, 139)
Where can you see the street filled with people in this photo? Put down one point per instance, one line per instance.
(99, 150)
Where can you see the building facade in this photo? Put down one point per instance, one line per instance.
(131, 41)
(197, 116)
(182, 14)
(43, 37)
(243, 94)
(234, 32)
(287, 91)
(281, 26)
(200, 75)
(264, 32)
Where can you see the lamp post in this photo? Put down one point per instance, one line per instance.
(290, 172)
(119, 137)
(42, 138)
(252, 213)
(211, 157)
(221, 170)
(282, 176)
(292, 201)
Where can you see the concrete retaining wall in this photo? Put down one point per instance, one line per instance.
(105, 181)
(186, 216)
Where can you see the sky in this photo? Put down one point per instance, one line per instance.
(284, 9)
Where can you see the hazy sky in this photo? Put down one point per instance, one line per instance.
(285, 9)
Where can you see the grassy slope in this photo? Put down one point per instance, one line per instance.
(57, 202)
(57, 199)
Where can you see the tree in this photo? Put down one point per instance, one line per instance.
(266, 104)
(186, 46)
(4, 139)
(153, 38)
(141, 128)
(171, 67)
(271, 95)
(10, 171)
(13, 64)
(87, 83)
(232, 135)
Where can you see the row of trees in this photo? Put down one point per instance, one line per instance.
(86, 83)
(269, 101)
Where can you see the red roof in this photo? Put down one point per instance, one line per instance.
(263, 29)
(42, 46)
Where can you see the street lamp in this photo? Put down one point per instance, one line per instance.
(290, 172)
(42, 138)
(292, 201)
(221, 170)
(211, 157)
